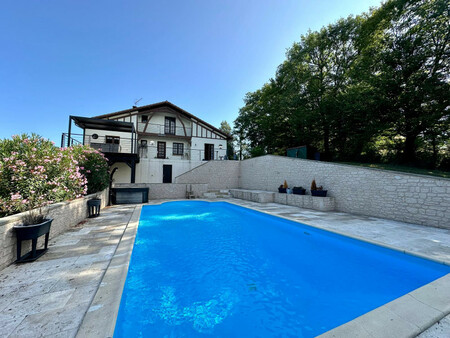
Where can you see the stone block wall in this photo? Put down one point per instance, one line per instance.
(64, 214)
(167, 190)
(217, 174)
(393, 195)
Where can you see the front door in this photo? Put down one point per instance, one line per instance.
(167, 173)
(209, 152)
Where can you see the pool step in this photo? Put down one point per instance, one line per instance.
(223, 193)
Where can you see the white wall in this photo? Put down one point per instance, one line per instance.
(151, 170)
(122, 174)
(125, 138)
(198, 147)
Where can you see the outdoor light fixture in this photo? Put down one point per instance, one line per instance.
(152, 143)
(220, 146)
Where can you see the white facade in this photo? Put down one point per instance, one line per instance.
(168, 139)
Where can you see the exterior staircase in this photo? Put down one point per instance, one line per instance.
(223, 193)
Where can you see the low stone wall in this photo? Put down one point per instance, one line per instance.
(253, 195)
(306, 201)
(64, 214)
(301, 201)
(217, 174)
(387, 194)
(167, 190)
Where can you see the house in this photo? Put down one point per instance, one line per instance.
(150, 144)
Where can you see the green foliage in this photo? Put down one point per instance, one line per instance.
(93, 165)
(371, 88)
(35, 173)
(226, 128)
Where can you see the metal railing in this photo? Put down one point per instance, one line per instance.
(131, 146)
(160, 129)
(152, 152)
(103, 143)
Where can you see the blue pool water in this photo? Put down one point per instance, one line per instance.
(216, 269)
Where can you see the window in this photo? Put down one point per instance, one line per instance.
(113, 139)
(178, 149)
(169, 125)
(144, 118)
(161, 150)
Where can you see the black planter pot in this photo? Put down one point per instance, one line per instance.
(319, 193)
(32, 232)
(94, 207)
(282, 190)
(299, 191)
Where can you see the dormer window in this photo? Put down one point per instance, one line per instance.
(169, 126)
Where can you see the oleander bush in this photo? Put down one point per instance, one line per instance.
(93, 165)
(35, 173)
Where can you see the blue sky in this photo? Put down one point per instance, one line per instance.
(86, 58)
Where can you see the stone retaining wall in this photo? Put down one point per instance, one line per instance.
(64, 214)
(393, 195)
(167, 190)
(217, 174)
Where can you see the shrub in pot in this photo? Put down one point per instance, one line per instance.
(34, 225)
(317, 191)
(298, 191)
(283, 187)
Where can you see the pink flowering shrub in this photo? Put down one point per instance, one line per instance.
(35, 173)
(93, 165)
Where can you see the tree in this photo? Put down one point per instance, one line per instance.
(226, 128)
(411, 68)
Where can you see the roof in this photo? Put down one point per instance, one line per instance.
(94, 123)
(142, 109)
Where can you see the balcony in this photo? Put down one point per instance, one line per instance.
(155, 129)
(105, 144)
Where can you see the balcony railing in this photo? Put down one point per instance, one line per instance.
(152, 152)
(103, 143)
(129, 146)
(160, 129)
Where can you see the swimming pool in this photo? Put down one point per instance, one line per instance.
(201, 268)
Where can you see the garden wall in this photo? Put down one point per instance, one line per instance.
(403, 197)
(167, 190)
(64, 214)
(217, 174)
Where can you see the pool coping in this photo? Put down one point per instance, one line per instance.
(100, 318)
(407, 316)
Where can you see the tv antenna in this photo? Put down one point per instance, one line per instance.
(136, 102)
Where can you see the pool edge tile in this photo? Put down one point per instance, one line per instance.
(100, 318)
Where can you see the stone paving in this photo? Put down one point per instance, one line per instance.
(50, 297)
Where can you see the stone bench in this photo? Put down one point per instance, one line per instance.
(260, 196)
(301, 201)
(306, 201)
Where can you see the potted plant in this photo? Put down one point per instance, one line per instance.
(317, 191)
(283, 188)
(34, 225)
(298, 191)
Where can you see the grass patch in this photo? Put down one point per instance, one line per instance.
(402, 168)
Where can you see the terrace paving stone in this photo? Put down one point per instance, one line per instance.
(51, 296)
